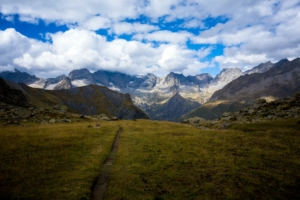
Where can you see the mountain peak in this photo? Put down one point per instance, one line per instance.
(226, 70)
(80, 74)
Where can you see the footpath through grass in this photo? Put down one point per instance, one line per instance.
(155, 160)
(57, 161)
(161, 160)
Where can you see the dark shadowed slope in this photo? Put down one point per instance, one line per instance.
(172, 109)
(88, 100)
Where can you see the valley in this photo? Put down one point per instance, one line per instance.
(150, 100)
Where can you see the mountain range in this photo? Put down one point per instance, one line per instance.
(169, 97)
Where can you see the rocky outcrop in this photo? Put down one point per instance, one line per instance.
(261, 110)
(16, 115)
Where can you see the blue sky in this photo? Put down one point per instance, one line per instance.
(50, 38)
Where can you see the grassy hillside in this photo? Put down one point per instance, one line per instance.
(155, 160)
(213, 110)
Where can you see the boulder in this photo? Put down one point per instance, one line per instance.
(223, 126)
(13, 122)
(105, 118)
(114, 119)
(22, 113)
(260, 101)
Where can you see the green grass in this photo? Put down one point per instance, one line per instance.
(159, 160)
(52, 161)
(155, 160)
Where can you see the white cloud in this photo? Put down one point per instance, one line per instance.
(8, 67)
(71, 11)
(96, 23)
(264, 32)
(165, 36)
(79, 48)
(131, 28)
(14, 44)
(194, 23)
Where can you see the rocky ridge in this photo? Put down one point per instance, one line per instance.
(262, 110)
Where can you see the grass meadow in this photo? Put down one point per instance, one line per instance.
(57, 161)
(155, 160)
(161, 160)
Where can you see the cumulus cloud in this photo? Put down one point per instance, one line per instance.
(96, 23)
(78, 48)
(268, 31)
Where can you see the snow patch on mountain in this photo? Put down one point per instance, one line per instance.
(80, 83)
(38, 84)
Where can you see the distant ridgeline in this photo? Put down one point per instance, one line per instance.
(175, 96)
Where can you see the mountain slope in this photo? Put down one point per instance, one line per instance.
(88, 100)
(213, 110)
(172, 109)
(263, 67)
(280, 81)
(19, 77)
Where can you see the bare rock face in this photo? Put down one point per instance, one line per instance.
(64, 84)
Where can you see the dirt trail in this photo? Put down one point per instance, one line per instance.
(101, 183)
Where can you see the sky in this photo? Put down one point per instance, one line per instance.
(50, 38)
